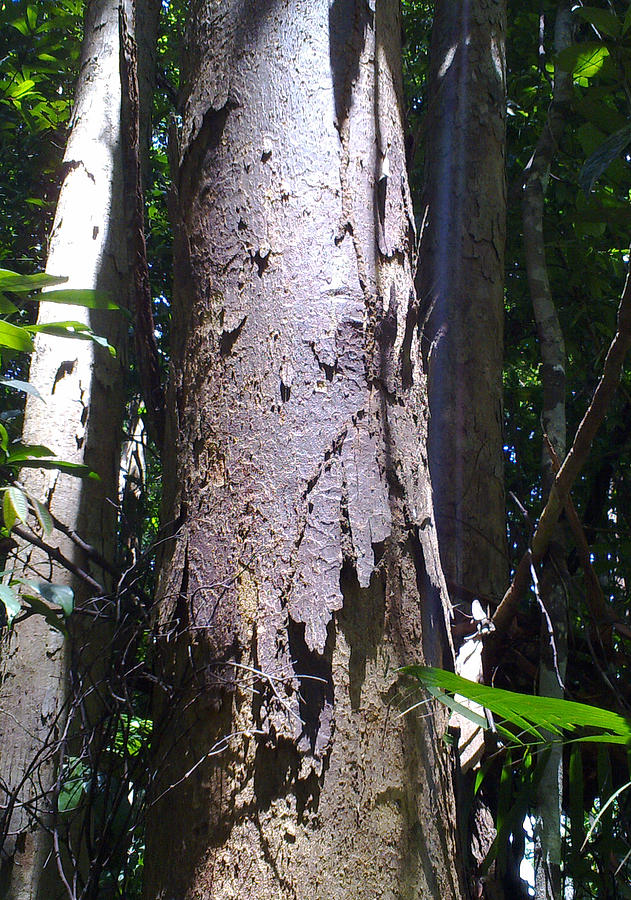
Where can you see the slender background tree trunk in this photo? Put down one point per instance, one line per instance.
(80, 420)
(305, 567)
(552, 592)
(461, 288)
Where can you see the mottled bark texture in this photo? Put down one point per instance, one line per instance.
(304, 568)
(461, 288)
(80, 421)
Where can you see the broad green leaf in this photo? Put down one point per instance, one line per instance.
(76, 469)
(527, 712)
(8, 512)
(36, 606)
(6, 307)
(601, 19)
(583, 60)
(24, 386)
(43, 515)
(88, 298)
(19, 89)
(12, 281)
(597, 163)
(20, 452)
(11, 601)
(15, 338)
(4, 439)
(14, 506)
(73, 330)
(20, 25)
(75, 781)
(31, 15)
(59, 594)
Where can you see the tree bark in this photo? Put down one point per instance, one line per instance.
(80, 421)
(304, 568)
(461, 287)
(553, 593)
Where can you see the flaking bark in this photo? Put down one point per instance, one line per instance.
(305, 566)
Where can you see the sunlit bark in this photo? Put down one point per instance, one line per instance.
(79, 419)
(304, 569)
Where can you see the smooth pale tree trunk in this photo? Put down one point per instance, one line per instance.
(304, 568)
(461, 288)
(553, 589)
(80, 420)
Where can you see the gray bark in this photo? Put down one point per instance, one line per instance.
(304, 569)
(80, 421)
(461, 287)
(555, 578)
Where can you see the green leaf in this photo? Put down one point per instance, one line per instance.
(24, 386)
(76, 780)
(602, 157)
(88, 298)
(43, 515)
(31, 15)
(15, 91)
(15, 338)
(58, 594)
(601, 19)
(14, 506)
(21, 452)
(627, 21)
(583, 60)
(11, 281)
(4, 439)
(74, 330)
(6, 307)
(604, 810)
(531, 714)
(37, 607)
(576, 797)
(11, 601)
(76, 469)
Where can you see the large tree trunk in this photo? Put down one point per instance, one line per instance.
(80, 421)
(304, 568)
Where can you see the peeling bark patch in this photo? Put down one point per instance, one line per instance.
(368, 504)
(229, 338)
(348, 486)
(316, 590)
(261, 260)
(316, 697)
(66, 368)
(347, 25)
(362, 620)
